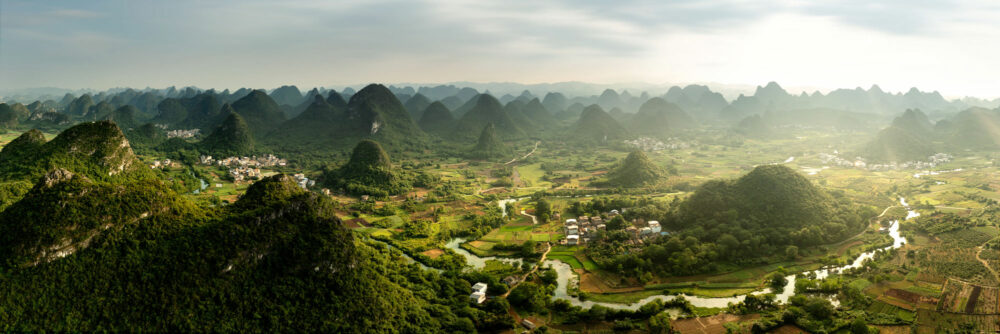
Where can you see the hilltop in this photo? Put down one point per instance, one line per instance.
(974, 128)
(595, 125)
(260, 112)
(98, 150)
(318, 126)
(754, 126)
(657, 117)
(486, 110)
(437, 119)
(416, 105)
(773, 202)
(368, 172)
(162, 265)
(375, 113)
(896, 144)
(489, 146)
(232, 138)
(636, 170)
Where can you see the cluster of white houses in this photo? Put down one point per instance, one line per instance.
(157, 164)
(581, 229)
(931, 162)
(241, 173)
(252, 161)
(478, 295)
(183, 133)
(305, 182)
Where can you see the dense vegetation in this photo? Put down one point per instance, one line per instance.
(369, 172)
(232, 138)
(635, 170)
(489, 146)
(755, 219)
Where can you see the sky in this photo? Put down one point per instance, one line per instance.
(949, 46)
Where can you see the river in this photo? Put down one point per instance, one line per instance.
(566, 274)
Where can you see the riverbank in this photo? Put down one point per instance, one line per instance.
(567, 277)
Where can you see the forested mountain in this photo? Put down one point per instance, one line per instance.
(489, 146)
(287, 96)
(636, 170)
(9, 117)
(98, 150)
(260, 112)
(80, 106)
(754, 126)
(539, 115)
(368, 172)
(375, 113)
(554, 102)
(416, 105)
(595, 125)
(914, 121)
(897, 144)
(773, 203)
(124, 117)
(514, 110)
(657, 117)
(143, 258)
(437, 119)
(975, 128)
(336, 100)
(319, 126)
(232, 138)
(485, 111)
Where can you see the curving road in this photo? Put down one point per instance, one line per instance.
(526, 155)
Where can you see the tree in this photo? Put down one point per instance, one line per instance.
(792, 252)
(660, 323)
(820, 308)
(858, 326)
(616, 223)
(529, 296)
(528, 248)
(511, 210)
(777, 281)
(543, 210)
(728, 243)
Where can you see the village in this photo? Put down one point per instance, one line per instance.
(581, 229)
(651, 144)
(931, 162)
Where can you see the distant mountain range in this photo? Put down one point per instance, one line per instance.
(694, 99)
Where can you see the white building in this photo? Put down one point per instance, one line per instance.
(572, 239)
(478, 293)
(571, 221)
(572, 230)
(655, 226)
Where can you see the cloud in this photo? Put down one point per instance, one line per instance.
(258, 43)
(75, 13)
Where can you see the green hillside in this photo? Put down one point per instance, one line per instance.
(232, 138)
(595, 125)
(636, 170)
(487, 110)
(368, 172)
(489, 147)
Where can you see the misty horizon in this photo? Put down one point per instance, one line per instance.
(803, 46)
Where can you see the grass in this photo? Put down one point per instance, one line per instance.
(509, 228)
(568, 259)
(861, 284)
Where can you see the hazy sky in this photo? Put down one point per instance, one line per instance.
(950, 46)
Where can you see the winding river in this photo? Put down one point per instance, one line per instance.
(566, 274)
